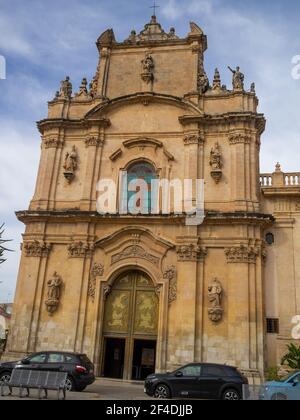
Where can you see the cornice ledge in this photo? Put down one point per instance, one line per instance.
(62, 123)
(238, 217)
(224, 118)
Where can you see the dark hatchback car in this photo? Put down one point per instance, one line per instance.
(198, 380)
(79, 368)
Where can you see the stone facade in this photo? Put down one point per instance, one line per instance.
(150, 100)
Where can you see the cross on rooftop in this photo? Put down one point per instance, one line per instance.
(154, 7)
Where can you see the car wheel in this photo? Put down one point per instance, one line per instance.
(5, 377)
(162, 392)
(231, 395)
(279, 397)
(70, 385)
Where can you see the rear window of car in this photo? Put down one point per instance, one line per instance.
(231, 371)
(70, 358)
(84, 359)
(213, 371)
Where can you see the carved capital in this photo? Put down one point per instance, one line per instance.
(53, 143)
(93, 141)
(170, 274)
(37, 249)
(241, 254)
(193, 139)
(80, 250)
(239, 138)
(191, 253)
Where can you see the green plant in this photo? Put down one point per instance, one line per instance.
(272, 374)
(292, 358)
(2, 249)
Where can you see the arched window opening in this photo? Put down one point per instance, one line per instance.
(138, 188)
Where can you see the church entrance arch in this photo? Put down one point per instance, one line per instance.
(130, 327)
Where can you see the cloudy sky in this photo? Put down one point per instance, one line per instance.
(43, 41)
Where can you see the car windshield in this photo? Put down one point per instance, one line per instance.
(287, 377)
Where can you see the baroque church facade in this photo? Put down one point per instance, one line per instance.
(146, 292)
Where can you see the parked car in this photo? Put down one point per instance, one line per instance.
(198, 380)
(79, 368)
(286, 389)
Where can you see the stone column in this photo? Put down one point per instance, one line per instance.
(163, 291)
(80, 254)
(200, 295)
(192, 140)
(93, 143)
(37, 254)
(244, 305)
(238, 142)
(185, 334)
(103, 72)
(50, 158)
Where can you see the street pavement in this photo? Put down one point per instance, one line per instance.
(102, 389)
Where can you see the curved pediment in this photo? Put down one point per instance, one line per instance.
(134, 235)
(145, 99)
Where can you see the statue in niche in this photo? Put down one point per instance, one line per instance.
(215, 291)
(148, 68)
(71, 164)
(216, 163)
(216, 157)
(54, 293)
(237, 79)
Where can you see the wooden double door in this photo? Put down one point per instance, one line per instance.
(130, 328)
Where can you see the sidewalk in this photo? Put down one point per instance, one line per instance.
(102, 389)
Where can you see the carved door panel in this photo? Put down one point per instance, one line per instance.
(131, 312)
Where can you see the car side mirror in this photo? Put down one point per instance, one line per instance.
(295, 383)
(179, 374)
(25, 362)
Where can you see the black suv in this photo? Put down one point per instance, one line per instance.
(198, 380)
(80, 369)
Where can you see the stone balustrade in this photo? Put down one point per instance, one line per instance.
(279, 179)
